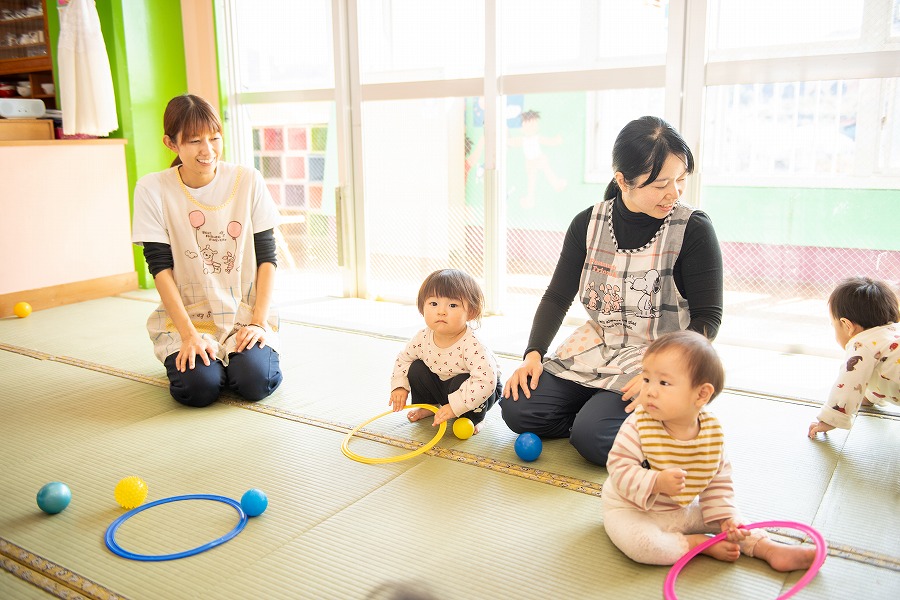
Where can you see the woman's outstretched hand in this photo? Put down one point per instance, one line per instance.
(631, 391)
(531, 367)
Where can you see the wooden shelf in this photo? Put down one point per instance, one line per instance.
(20, 19)
(36, 69)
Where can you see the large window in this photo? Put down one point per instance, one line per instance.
(400, 136)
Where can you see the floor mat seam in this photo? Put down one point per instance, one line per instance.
(53, 577)
(503, 467)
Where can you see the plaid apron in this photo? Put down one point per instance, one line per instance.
(631, 299)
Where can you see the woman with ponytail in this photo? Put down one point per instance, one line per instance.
(643, 263)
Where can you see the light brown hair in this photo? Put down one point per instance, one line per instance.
(187, 116)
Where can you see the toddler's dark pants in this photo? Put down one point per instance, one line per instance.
(427, 388)
(252, 374)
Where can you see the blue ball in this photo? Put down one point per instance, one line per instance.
(54, 497)
(528, 446)
(254, 502)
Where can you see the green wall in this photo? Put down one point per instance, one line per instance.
(833, 218)
(827, 217)
(145, 45)
(147, 56)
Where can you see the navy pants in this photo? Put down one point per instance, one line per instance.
(428, 388)
(558, 408)
(252, 374)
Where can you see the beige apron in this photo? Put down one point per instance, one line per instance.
(215, 261)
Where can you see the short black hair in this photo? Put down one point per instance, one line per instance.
(865, 301)
(702, 360)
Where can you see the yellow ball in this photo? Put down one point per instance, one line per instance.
(463, 428)
(22, 309)
(131, 492)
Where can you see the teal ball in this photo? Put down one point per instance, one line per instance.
(54, 497)
(254, 502)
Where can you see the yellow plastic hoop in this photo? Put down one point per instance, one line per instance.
(345, 447)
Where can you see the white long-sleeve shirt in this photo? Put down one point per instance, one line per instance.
(467, 355)
(871, 370)
(631, 483)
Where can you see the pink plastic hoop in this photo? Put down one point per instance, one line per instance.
(821, 550)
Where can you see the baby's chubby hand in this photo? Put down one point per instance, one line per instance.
(445, 413)
(398, 398)
(818, 427)
(670, 481)
(733, 530)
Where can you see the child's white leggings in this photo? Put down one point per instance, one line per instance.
(659, 538)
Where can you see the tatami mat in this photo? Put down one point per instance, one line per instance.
(109, 331)
(454, 520)
(862, 503)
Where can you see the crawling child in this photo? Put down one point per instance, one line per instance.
(864, 314)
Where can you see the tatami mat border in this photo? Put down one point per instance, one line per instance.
(546, 477)
(85, 364)
(49, 576)
(555, 479)
(510, 356)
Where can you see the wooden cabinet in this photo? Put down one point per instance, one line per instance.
(25, 49)
(26, 129)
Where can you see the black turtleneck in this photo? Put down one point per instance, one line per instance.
(698, 271)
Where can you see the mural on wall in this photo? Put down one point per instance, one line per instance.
(545, 149)
(536, 163)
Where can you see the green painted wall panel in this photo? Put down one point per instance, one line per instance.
(146, 50)
(833, 218)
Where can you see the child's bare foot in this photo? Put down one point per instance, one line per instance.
(418, 414)
(784, 557)
(724, 550)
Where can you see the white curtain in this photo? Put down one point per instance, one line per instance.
(85, 81)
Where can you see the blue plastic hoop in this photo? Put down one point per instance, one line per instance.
(115, 548)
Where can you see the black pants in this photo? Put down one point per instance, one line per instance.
(428, 388)
(558, 408)
(252, 374)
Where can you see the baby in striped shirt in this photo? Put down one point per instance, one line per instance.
(669, 480)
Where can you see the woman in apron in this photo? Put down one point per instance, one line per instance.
(207, 229)
(643, 263)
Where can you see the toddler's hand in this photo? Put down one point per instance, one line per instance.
(733, 530)
(398, 398)
(818, 427)
(670, 481)
(445, 413)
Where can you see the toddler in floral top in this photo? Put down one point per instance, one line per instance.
(865, 315)
(445, 364)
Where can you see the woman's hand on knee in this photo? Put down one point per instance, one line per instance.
(192, 347)
(249, 335)
(531, 368)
